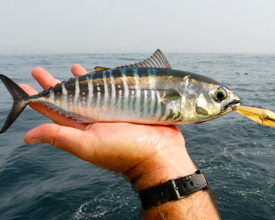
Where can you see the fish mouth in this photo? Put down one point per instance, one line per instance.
(230, 104)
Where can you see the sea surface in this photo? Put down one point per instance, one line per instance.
(236, 154)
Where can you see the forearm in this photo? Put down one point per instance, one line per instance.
(166, 165)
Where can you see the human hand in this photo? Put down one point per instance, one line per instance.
(146, 154)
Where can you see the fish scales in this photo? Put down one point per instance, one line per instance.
(113, 90)
(148, 92)
(78, 91)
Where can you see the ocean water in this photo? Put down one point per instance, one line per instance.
(236, 154)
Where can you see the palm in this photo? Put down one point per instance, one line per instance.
(116, 146)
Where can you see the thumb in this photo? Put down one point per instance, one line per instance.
(69, 139)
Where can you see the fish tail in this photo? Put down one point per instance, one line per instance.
(20, 101)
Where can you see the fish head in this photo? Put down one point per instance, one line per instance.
(204, 99)
(214, 101)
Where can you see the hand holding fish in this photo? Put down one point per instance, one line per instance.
(145, 154)
(99, 141)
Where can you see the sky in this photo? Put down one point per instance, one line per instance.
(128, 26)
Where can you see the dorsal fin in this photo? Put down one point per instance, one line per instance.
(157, 60)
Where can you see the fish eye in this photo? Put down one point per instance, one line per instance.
(220, 94)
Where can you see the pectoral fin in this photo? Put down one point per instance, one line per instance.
(170, 94)
(261, 116)
(172, 99)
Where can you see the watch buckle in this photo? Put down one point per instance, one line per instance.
(176, 189)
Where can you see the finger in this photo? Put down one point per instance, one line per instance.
(44, 78)
(78, 70)
(28, 89)
(68, 139)
(49, 113)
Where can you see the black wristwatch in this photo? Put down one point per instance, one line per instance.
(174, 189)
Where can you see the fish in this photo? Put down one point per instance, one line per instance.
(147, 92)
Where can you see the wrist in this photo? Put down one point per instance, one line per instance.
(169, 163)
(198, 205)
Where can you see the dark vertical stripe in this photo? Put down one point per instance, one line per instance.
(57, 91)
(94, 84)
(149, 101)
(91, 95)
(70, 87)
(162, 111)
(143, 76)
(141, 107)
(122, 94)
(177, 117)
(83, 92)
(130, 99)
(132, 92)
(102, 90)
(134, 99)
(156, 104)
(131, 87)
(170, 115)
(113, 97)
(137, 88)
(109, 87)
(119, 87)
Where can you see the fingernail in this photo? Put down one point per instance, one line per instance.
(34, 141)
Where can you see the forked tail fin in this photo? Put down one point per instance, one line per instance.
(20, 101)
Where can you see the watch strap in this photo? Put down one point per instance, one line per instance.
(174, 189)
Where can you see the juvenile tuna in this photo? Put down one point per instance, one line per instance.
(148, 92)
